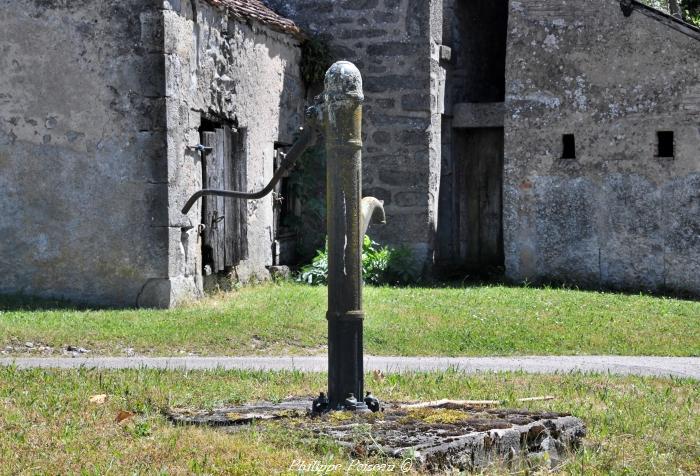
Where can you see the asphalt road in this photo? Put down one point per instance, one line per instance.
(688, 367)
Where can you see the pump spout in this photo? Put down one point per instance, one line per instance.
(372, 212)
(306, 139)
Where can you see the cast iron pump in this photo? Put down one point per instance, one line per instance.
(339, 113)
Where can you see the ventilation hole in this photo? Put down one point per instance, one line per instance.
(666, 143)
(569, 143)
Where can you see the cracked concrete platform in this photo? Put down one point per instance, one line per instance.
(436, 439)
(685, 367)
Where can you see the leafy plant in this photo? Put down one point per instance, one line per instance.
(315, 61)
(317, 271)
(380, 265)
(375, 261)
(693, 17)
(142, 429)
(690, 9)
(403, 267)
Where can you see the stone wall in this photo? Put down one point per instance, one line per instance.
(617, 215)
(98, 103)
(82, 137)
(242, 73)
(391, 43)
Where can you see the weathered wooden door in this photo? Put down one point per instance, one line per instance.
(224, 239)
(471, 232)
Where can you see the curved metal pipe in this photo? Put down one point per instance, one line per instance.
(305, 140)
(372, 212)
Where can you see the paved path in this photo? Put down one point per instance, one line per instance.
(658, 366)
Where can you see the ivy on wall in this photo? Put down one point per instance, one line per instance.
(307, 182)
(315, 60)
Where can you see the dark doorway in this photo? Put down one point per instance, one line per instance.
(479, 48)
(286, 208)
(225, 232)
(470, 206)
(472, 238)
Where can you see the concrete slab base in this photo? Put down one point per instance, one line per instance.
(438, 439)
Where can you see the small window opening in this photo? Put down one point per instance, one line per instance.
(666, 143)
(569, 142)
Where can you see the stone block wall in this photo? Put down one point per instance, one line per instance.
(240, 72)
(83, 186)
(618, 215)
(99, 102)
(391, 43)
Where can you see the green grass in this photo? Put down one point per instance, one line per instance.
(47, 425)
(289, 318)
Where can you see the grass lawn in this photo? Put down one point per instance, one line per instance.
(289, 318)
(48, 426)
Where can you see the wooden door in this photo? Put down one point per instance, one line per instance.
(224, 239)
(478, 194)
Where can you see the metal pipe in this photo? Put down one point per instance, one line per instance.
(305, 140)
(372, 212)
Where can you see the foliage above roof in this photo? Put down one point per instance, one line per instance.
(650, 8)
(257, 10)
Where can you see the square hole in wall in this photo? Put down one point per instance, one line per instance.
(569, 146)
(666, 145)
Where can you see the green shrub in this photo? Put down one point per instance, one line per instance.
(402, 267)
(317, 271)
(380, 265)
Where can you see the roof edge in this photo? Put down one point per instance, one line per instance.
(256, 11)
(669, 20)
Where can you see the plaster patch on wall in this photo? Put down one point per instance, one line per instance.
(541, 97)
(551, 43)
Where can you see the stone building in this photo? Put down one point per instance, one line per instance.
(101, 103)
(602, 146)
(559, 141)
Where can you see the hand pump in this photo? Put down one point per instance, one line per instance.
(348, 216)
